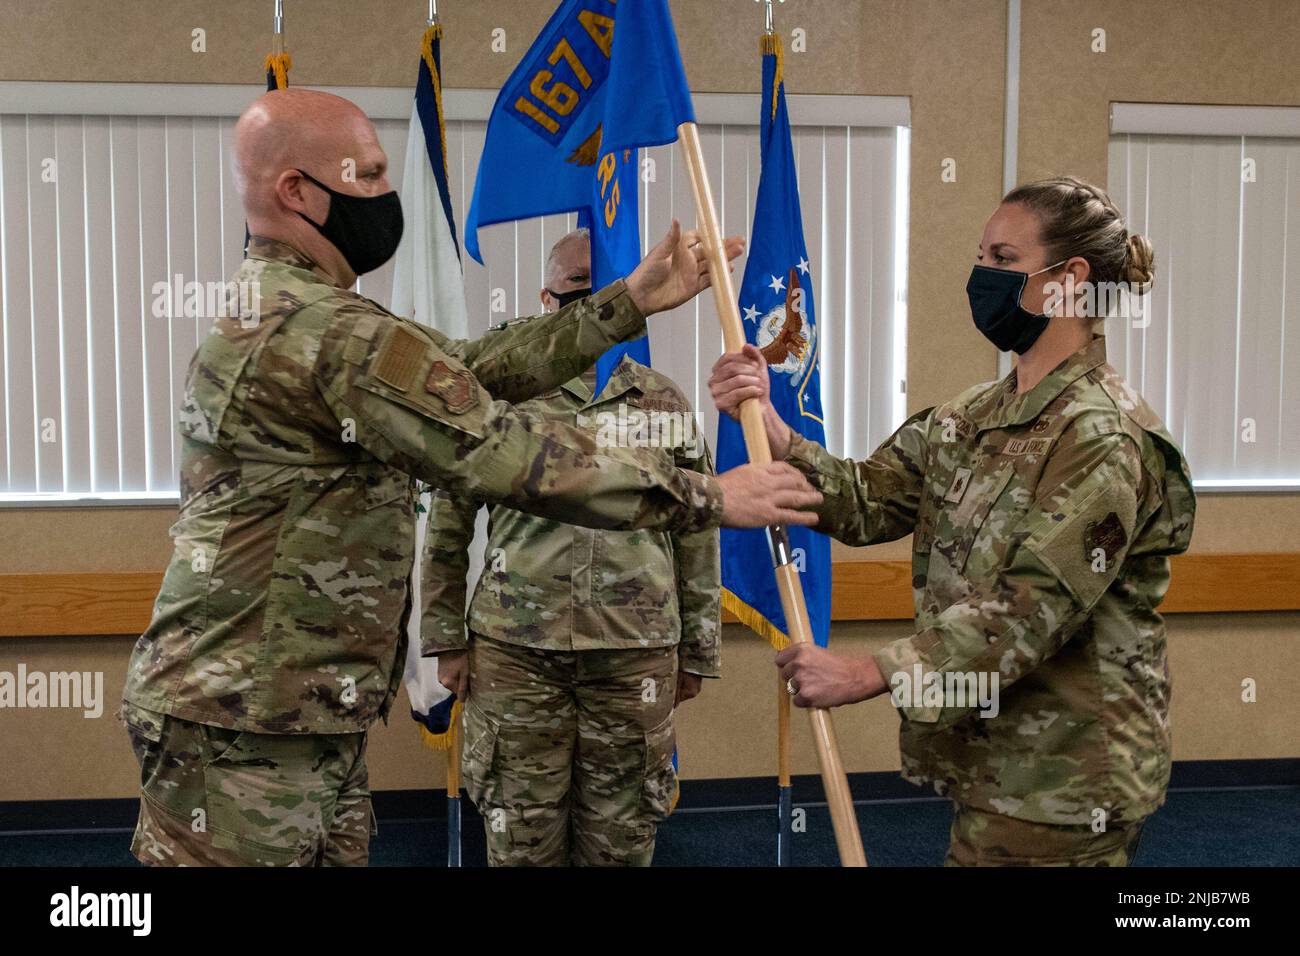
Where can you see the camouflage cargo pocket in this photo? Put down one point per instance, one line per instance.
(659, 787)
(145, 729)
(264, 795)
(479, 755)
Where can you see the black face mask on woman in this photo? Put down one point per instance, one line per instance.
(364, 229)
(994, 296)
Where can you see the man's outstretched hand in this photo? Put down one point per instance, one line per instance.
(756, 496)
(675, 271)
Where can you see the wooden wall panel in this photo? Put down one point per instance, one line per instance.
(40, 605)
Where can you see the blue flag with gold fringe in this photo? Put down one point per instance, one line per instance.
(567, 125)
(776, 303)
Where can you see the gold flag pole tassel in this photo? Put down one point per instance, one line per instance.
(278, 61)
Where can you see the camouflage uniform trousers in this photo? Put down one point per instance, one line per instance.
(980, 838)
(568, 755)
(217, 797)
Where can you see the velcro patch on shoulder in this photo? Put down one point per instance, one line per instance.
(1107, 536)
(455, 386)
(355, 352)
(399, 360)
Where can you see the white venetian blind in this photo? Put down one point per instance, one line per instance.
(94, 210)
(97, 210)
(1218, 357)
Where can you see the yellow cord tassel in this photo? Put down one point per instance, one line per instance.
(279, 63)
(755, 621)
(426, 51)
(441, 741)
(772, 45)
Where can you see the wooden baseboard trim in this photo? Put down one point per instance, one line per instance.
(116, 602)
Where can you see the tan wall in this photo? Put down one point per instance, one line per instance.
(729, 731)
(948, 57)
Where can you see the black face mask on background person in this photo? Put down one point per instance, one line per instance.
(994, 296)
(364, 229)
(564, 298)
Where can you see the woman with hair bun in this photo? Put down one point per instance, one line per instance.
(1034, 691)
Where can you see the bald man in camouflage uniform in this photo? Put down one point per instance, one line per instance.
(277, 636)
(581, 642)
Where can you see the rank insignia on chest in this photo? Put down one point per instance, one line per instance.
(960, 482)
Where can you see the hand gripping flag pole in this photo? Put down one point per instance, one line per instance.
(799, 629)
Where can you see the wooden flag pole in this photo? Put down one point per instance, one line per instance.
(843, 817)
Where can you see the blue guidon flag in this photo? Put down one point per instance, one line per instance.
(776, 305)
(567, 125)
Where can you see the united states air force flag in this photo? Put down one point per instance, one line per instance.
(601, 80)
(776, 302)
(428, 286)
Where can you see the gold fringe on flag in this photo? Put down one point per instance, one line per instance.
(754, 620)
(426, 51)
(279, 63)
(443, 740)
(771, 44)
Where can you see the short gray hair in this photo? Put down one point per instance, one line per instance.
(551, 277)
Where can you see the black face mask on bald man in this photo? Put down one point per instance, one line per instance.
(364, 229)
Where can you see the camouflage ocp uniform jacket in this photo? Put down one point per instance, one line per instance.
(559, 587)
(284, 606)
(1042, 525)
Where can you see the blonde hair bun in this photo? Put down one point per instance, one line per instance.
(1139, 263)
